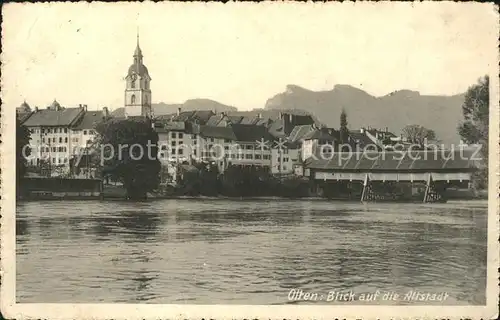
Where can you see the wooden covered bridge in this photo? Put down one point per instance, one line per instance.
(371, 176)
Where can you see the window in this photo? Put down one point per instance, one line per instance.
(258, 157)
(227, 141)
(132, 84)
(193, 136)
(249, 147)
(173, 151)
(65, 130)
(174, 143)
(132, 99)
(195, 142)
(284, 167)
(173, 134)
(180, 135)
(53, 160)
(66, 140)
(60, 139)
(285, 151)
(85, 132)
(53, 139)
(181, 151)
(212, 140)
(163, 147)
(43, 140)
(266, 157)
(248, 156)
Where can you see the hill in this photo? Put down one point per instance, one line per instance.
(191, 104)
(395, 110)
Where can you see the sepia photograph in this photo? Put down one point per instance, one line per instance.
(249, 160)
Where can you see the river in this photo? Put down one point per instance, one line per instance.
(246, 252)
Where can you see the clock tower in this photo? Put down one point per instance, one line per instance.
(137, 90)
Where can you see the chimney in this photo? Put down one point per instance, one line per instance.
(36, 109)
(362, 130)
(105, 112)
(259, 115)
(85, 107)
(179, 111)
(386, 129)
(281, 115)
(290, 117)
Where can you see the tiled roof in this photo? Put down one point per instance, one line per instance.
(62, 117)
(202, 116)
(319, 135)
(299, 131)
(235, 119)
(251, 133)
(23, 116)
(89, 120)
(361, 139)
(175, 126)
(184, 116)
(217, 132)
(396, 161)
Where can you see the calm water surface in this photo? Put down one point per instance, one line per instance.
(246, 252)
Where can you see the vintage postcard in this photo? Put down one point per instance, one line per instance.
(272, 160)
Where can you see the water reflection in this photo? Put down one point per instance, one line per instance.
(245, 252)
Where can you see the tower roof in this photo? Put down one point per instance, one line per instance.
(25, 105)
(138, 66)
(138, 51)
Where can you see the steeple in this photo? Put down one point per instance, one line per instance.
(137, 88)
(138, 51)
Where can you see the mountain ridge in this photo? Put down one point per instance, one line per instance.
(394, 110)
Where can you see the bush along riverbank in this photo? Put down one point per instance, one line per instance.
(238, 182)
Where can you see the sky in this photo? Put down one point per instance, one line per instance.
(241, 54)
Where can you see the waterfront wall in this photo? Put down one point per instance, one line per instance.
(58, 188)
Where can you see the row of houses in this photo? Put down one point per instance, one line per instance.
(59, 134)
(278, 144)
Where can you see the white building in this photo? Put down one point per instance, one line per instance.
(59, 134)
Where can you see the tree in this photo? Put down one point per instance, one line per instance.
(344, 132)
(129, 150)
(474, 128)
(417, 134)
(23, 137)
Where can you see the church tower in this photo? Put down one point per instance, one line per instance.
(137, 90)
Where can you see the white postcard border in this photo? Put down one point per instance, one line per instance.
(13, 310)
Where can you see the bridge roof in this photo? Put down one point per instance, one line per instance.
(415, 160)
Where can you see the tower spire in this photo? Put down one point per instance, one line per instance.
(138, 51)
